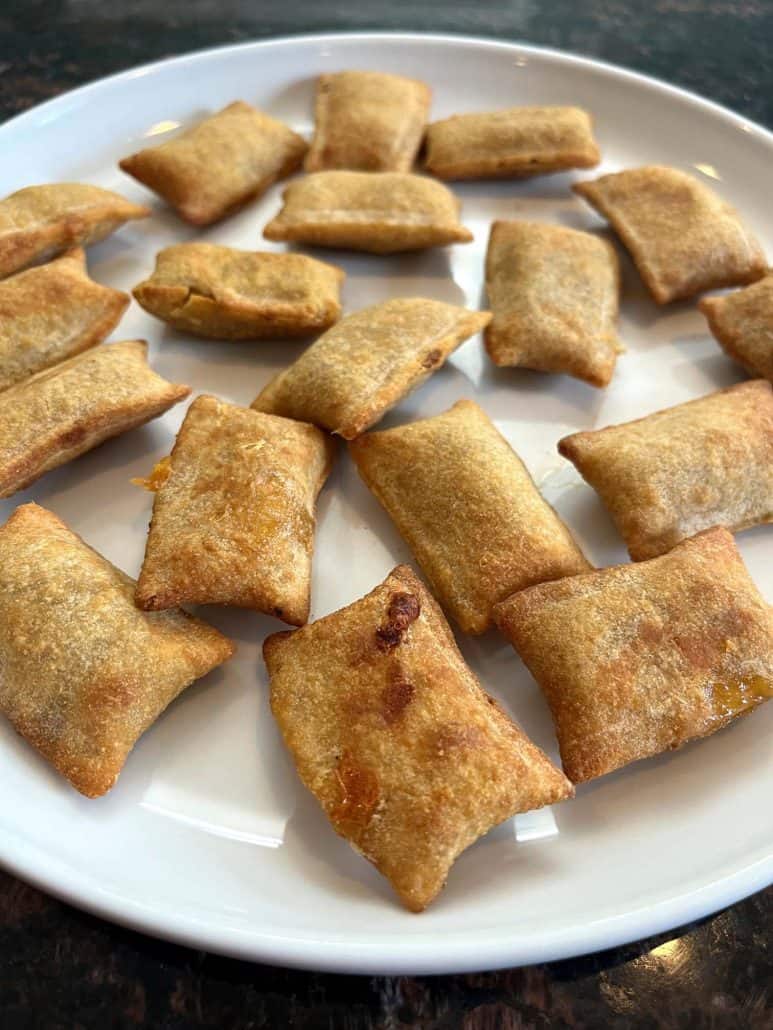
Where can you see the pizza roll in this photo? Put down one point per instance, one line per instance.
(223, 293)
(85, 673)
(394, 736)
(468, 509)
(639, 659)
(705, 463)
(514, 143)
(66, 410)
(233, 518)
(218, 165)
(350, 377)
(683, 238)
(38, 222)
(368, 121)
(742, 323)
(379, 212)
(554, 296)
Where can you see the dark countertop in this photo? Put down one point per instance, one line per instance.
(62, 969)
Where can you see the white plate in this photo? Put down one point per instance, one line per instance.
(208, 838)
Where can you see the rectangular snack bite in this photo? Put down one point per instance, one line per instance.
(233, 518)
(664, 477)
(468, 509)
(85, 673)
(683, 238)
(742, 323)
(394, 736)
(218, 165)
(353, 374)
(639, 659)
(554, 297)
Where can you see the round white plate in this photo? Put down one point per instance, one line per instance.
(209, 838)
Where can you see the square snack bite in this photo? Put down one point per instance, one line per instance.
(742, 323)
(639, 659)
(392, 733)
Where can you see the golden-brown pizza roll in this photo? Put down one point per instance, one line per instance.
(379, 212)
(469, 510)
(368, 122)
(85, 673)
(554, 296)
(705, 463)
(233, 518)
(682, 237)
(52, 312)
(227, 294)
(218, 165)
(39, 222)
(514, 143)
(639, 659)
(353, 374)
(394, 736)
(66, 410)
(742, 323)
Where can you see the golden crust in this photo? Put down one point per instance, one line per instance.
(683, 238)
(85, 673)
(468, 509)
(554, 296)
(228, 294)
(665, 477)
(39, 222)
(513, 143)
(66, 410)
(350, 377)
(742, 323)
(393, 734)
(220, 164)
(379, 212)
(368, 121)
(639, 659)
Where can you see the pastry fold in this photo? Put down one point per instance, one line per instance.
(742, 323)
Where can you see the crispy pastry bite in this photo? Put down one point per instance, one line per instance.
(682, 236)
(227, 294)
(66, 410)
(350, 377)
(368, 121)
(705, 463)
(514, 143)
(639, 659)
(218, 165)
(233, 517)
(742, 323)
(379, 212)
(554, 296)
(38, 222)
(469, 510)
(394, 736)
(85, 673)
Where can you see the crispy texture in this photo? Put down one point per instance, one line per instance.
(233, 522)
(705, 463)
(514, 143)
(220, 164)
(392, 733)
(742, 323)
(368, 121)
(51, 313)
(66, 410)
(554, 296)
(639, 659)
(468, 509)
(683, 238)
(38, 222)
(84, 672)
(227, 294)
(350, 377)
(379, 212)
